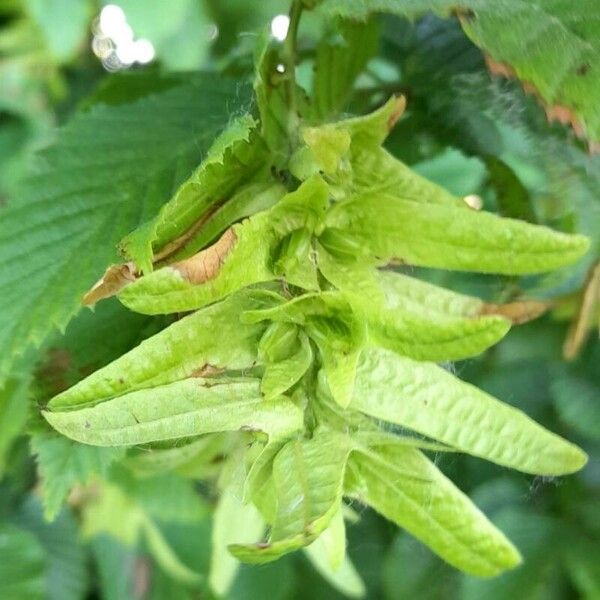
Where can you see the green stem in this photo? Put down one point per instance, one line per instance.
(289, 55)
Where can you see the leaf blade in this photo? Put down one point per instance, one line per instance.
(427, 399)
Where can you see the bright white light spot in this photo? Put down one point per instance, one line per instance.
(112, 19)
(112, 62)
(279, 27)
(473, 201)
(102, 46)
(212, 32)
(126, 53)
(280, 68)
(114, 41)
(144, 51)
(124, 35)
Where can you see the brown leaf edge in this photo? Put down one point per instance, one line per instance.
(554, 112)
(517, 312)
(115, 278)
(200, 267)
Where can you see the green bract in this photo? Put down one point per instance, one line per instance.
(305, 348)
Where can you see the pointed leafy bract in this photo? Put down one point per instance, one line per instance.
(240, 258)
(329, 321)
(339, 341)
(328, 555)
(429, 400)
(429, 507)
(450, 238)
(350, 275)
(426, 299)
(376, 171)
(429, 301)
(424, 336)
(372, 129)
(282, 375)
(203, 343)
(182, 409)
(234, 156)
(307, 476)
(327, 146)
(259, 487)
(246, 201)
(429, 339)
(293, 261)
(233, 521)
(303, 208)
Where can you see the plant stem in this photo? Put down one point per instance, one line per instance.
(289, 56)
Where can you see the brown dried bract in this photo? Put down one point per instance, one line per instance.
(206, 264)
(517, 312)
(399, 109)
(112, 282)
(581, 326)
(556, 112)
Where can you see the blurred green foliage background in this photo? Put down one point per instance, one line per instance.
(468, 131)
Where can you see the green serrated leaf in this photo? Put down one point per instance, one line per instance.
(339, 59)
(113, 511)
(450, 238)
(67, 574)
(429, 400)
(108, 171)
(429, 507)
(63, 463)
(23, 567)
(14, 408)
(182, 409)
(560, 68)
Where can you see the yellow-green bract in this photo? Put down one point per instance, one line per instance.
(301, 339)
